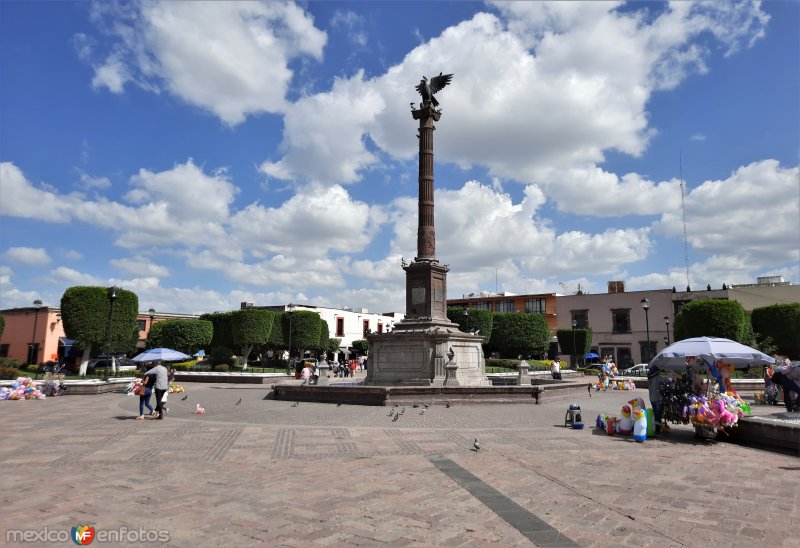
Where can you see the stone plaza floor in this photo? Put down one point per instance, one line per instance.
(266, 472)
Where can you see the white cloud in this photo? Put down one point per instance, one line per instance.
(324, 134)
(561, 83)
(22, 199)
(230, 58)
(91, 182)
(32, 256)
(752, 216)
(698, 137)
(70, 276)
(140, 265)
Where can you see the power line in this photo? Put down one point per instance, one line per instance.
(683, 208)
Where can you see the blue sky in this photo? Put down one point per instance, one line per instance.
(202, 154)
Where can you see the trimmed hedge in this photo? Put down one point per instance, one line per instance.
(713, 318)
(479, 318)
(582, 338)
(184, 335)
(85, 313)
(533, 365)
(515, 333)
(781, 322)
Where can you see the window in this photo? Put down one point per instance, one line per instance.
(142, 324)
(535, 306)
(505, 306)
(647, 356)
(340, 327)
(621, 320)
(581, 318)
(3, 350)
(484, 305)
(380, 327)
(366, 328)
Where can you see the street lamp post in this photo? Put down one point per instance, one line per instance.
(646, 307)
(666, 321)
(152, 313)
(574, 325)
(33, 352)
(113, 293)
(466, 319)
(289, 363)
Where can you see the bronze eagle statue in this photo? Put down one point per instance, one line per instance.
(427, 88)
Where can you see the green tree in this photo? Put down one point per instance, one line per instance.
(305, 328)
(360, 347)
(185, 335)
(223, 333)
(582, 341)
(713, 318)
(324, 336)
(478, 319)
(85, 312)
(515, 334)
(251, 327)
(781, 324)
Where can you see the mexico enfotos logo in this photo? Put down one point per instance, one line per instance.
(84, 535)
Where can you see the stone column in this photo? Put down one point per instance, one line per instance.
(426, 231)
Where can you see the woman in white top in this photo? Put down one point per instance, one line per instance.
(555, 369)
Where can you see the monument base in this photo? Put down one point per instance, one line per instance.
(420, 352)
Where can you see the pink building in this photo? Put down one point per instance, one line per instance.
(36, 334)
(32, 335)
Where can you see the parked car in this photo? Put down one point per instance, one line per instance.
(123, 364)
(638, 370)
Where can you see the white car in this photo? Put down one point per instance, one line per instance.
(638, 370)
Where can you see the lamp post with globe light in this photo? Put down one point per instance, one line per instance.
(666, 321)
(646, 307)
(33, 350)
(574, 349)
(113, 293)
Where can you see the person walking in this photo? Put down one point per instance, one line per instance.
(146, 390)
(654, 380)
(785, 377)
(306, 374)
(161, 386)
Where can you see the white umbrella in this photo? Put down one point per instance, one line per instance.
(161, 355)
(711, 349)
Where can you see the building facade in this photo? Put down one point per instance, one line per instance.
(36, 334)
(345, 324)
(540, 303)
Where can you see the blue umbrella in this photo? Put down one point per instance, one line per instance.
(161, 355)
(591, 355)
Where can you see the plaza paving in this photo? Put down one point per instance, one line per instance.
(265, 472)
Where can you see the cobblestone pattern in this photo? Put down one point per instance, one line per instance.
(264, 472)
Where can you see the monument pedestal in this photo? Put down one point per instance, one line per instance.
(415, 354)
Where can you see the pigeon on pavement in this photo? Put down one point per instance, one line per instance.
(239, 402)
(295, 404)
(185, 397)
(476, 445)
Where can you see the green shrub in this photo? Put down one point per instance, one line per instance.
(222, 368)
(10, 362)
(781, 323)
(221, 355)
(32, 368)
(713, 318)
(533, 365)
(183, 366)
(519, 334)
(9, 373)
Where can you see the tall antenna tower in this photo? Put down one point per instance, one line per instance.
(683, 209)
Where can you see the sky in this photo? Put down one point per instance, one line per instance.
(202, 154)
